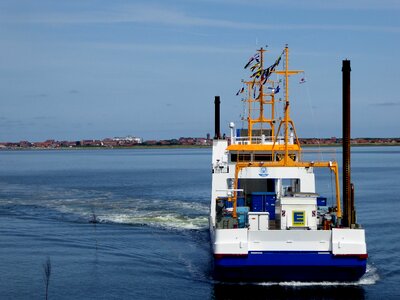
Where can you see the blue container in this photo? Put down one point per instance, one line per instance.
(269, 204)
(257, 202)
(264, 202)
(242, 214)
(321, 201)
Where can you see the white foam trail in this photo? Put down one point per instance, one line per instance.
(170, 214)
(172, 221)
(371, 277)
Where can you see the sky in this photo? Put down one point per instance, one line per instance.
(92, 69)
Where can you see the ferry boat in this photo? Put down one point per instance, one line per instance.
(267, 220)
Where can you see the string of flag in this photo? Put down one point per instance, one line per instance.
(258, 73)
(256, 68)
(254, 64)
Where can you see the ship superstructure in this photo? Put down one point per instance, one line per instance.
(267, 220)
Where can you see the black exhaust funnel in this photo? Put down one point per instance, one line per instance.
(217, 103)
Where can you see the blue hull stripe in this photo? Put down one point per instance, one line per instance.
(289, 266)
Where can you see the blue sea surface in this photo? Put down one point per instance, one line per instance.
(133, 224)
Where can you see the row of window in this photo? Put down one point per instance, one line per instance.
(257, 157)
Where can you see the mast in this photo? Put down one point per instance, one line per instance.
(261, 95)
(253, 117)
(252, 99)
(287, 120)
(286, 110)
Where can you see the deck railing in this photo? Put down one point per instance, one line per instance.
(260, 140)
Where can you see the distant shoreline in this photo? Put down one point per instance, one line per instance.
(138, 147)
(130, 142)
(353, 145)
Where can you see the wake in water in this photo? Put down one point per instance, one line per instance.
(157, 219)
(297, 290)
(89, 205)
(371, 277)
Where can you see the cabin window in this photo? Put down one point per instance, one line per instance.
(290, 186)
(240, 157)
(280, 156)
(262, 157)
(247, 157)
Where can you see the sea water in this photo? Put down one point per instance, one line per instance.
(133, 224)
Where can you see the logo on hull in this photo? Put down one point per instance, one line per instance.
(263, 172)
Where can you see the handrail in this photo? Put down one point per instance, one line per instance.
(240, 140)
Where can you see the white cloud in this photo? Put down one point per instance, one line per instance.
(159, 15)
(169, 48)
(386, 103)
(314, 4)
